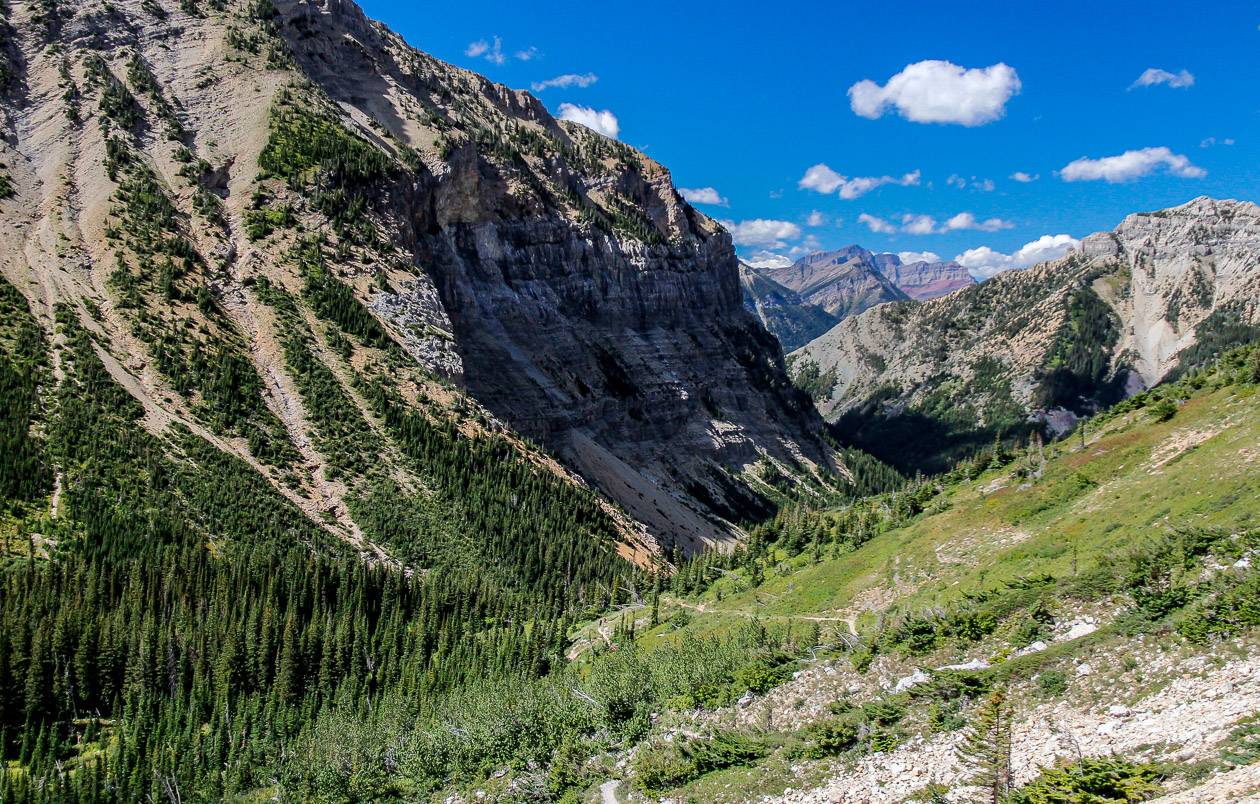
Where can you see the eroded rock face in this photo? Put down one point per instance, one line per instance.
(627, 355)
(554, 274)
(782, 311)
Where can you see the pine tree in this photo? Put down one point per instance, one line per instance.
(985, 750)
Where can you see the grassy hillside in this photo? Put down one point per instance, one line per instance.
(1129, 547)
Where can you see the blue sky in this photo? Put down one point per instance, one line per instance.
(746, 97)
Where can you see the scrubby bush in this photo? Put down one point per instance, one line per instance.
(1094, 780)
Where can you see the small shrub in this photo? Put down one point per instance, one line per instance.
(1052, 683)
(1163, 410)
(1093, 780)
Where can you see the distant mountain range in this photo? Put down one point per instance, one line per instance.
(801, 301)
(920, 384)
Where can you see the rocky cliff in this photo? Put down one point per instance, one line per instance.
(294, 185)
(921, 382)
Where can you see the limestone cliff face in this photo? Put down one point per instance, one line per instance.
(552, 275)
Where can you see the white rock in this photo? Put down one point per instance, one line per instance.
(1080, 628)
(1084, 669)
(974, 664)
(1036, 647)
(912, 680)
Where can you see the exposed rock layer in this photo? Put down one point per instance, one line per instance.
(555, 275)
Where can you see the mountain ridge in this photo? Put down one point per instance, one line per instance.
(554, 275)
(1048, 344)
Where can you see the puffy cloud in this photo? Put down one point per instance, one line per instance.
(603, 122)
(1131, 165)
(918, 224)
(1024, 178)
(877, 225)
(703, 195)
(983, 262)
(911, 257)
(822, 179)
(1210, 141)
(566, 81)
(939, 92)
(762, 232)
(529, 54)
(767, 260)
(491, 51)
(1154, 76)
(815, 218)
(966, 220)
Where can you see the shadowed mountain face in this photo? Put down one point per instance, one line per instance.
(448, 226)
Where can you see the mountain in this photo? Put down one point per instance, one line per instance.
(301, 194)
(922, 280)
(796, 302)
(781, 310)
(844, 282)
(921, 383)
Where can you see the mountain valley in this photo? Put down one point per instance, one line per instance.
(372, 432)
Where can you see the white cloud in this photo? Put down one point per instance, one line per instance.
(966, 220)
(491, 51)
(529, 54)
(762, 232)
(566, 81)
(822, 179)
(1024, 178)
(603, 122)
(918, 224)
(1210, 141)
(815, 218)
(1131, 165)
(939, 92)
(1154, 76)
(983, 262)
(911, 257)
(703, 195)
(768, 259)
(977, 184)
(878, 225)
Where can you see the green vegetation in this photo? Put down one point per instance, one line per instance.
(1075, 375)
(318, 157)
(955, 420)
(1096, 780)
(24, 373)
(807, 376)
(662, 767)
